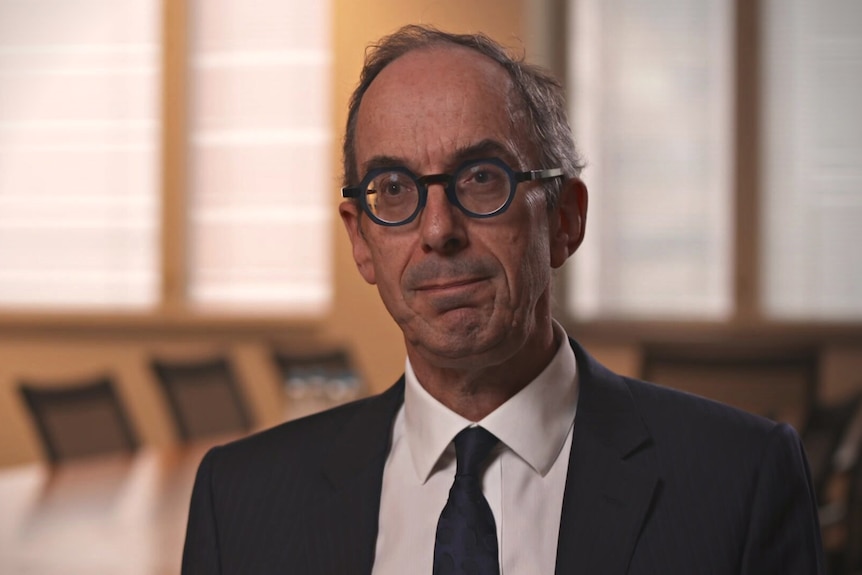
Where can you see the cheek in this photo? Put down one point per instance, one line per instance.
(389, 261)
(532, 262)
(536, 260)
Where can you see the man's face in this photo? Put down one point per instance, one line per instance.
(462, 290)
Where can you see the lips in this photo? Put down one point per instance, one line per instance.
(449, 284)
(447, 295)
(434, 273)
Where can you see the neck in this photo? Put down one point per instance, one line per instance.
(480, 385)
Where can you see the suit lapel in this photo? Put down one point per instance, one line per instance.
(611, 479)
(342, 526)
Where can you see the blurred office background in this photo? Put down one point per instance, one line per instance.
(169, 239)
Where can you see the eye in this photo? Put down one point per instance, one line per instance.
(392, 184)
(392, 188)
(392, 194)
(482, 176)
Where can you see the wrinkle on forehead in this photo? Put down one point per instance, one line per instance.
(442, 85)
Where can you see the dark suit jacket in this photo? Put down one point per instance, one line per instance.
(659, 482)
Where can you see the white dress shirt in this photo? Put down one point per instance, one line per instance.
(524, 481)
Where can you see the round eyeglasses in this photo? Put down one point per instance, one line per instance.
(479, 188)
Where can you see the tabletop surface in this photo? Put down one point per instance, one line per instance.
(117, 515)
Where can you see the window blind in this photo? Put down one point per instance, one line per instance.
(261, 177)
(79, 167)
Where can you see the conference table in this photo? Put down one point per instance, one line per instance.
(112, 515)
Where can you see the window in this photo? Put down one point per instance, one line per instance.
(660, 98)
(82, 223)
(651, 89)
(812, 177)
(261, 179)
(79, 169)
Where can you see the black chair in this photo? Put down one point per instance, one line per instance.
(79, 419)
(327, 373)
(204, 397)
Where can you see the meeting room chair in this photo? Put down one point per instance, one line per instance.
(79, 419)
(323, 372)
(204, 397)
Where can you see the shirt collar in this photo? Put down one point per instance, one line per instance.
(533, 423)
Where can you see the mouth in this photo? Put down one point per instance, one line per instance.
(452, 284)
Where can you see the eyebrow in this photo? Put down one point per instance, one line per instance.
(383, 162)
(487, 148)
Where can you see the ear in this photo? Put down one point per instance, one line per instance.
(351, 216)
(568, 222)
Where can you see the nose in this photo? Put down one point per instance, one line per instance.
(441, 224)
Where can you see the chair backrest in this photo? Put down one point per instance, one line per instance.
(79, 419)
(204, 397)
(330, 372)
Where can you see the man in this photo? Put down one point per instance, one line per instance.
(462, 196)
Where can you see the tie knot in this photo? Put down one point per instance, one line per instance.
(472, 447)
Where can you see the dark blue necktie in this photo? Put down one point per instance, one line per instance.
(466, 533)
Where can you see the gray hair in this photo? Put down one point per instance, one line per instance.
(542, 98)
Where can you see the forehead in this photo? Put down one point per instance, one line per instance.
(430, 103)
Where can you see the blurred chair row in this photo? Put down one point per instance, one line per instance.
(777, 382)
(77, 419)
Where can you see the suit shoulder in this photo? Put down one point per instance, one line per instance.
(674, 416)
(701, 441)
(671, 413)
(303, 442)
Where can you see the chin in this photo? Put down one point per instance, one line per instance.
(465, 345)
